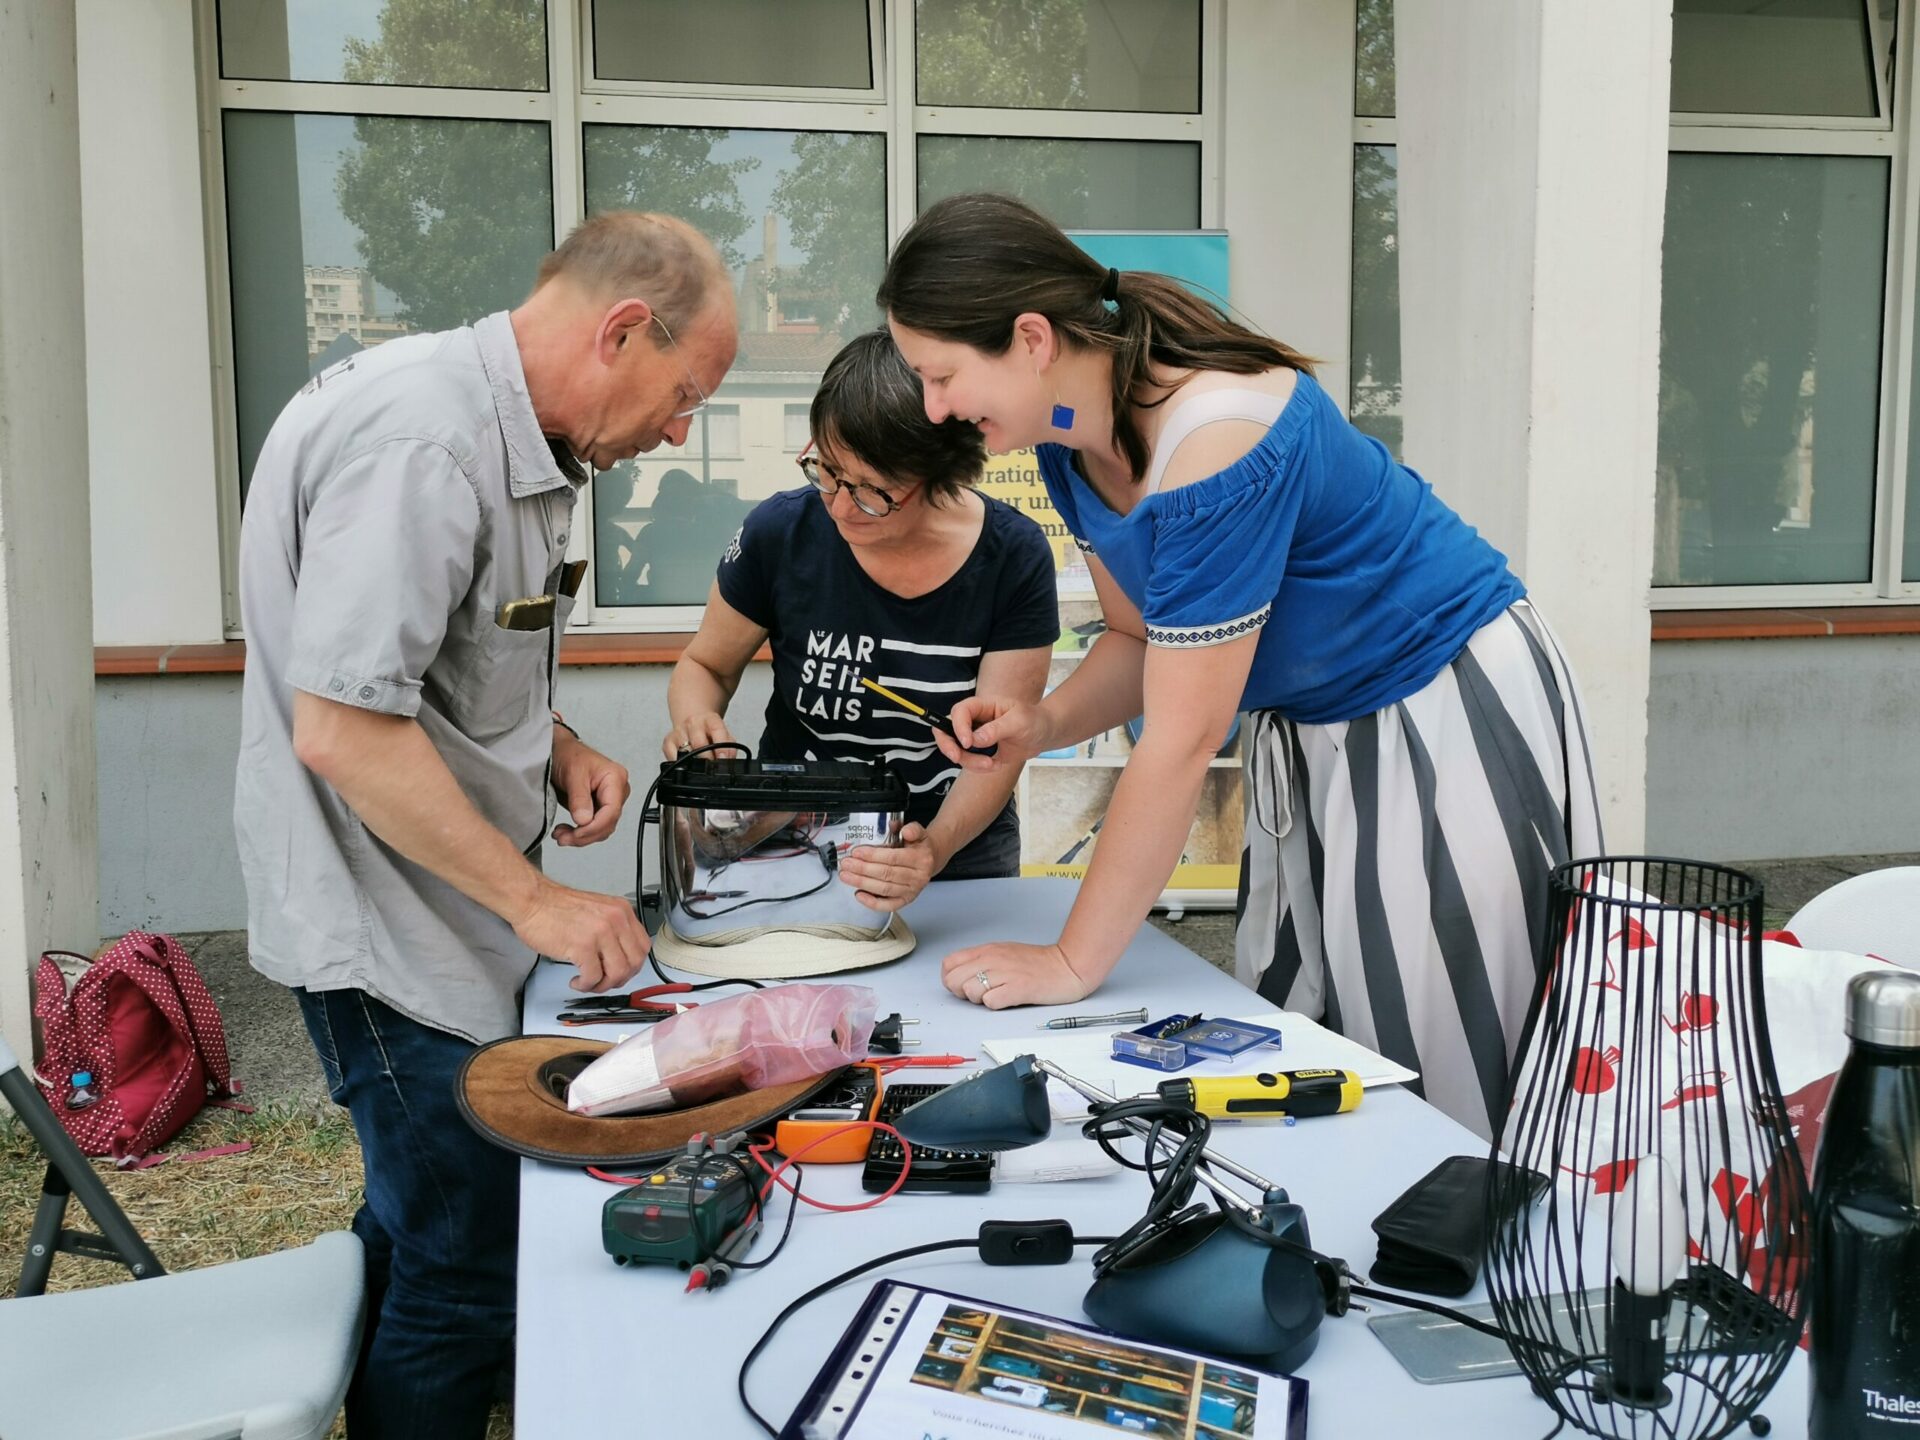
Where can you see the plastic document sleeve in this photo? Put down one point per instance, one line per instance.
(924, 1362)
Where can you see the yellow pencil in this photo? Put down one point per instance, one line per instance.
(924, 716)
(880, 689)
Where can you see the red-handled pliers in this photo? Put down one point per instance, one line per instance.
(610, 1007)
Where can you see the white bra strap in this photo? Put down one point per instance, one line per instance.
(1206, 408)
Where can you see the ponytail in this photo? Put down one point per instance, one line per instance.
(973, 264)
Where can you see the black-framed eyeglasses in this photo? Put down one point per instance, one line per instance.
(870, 499)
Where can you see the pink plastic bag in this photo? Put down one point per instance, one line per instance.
(745, 1042)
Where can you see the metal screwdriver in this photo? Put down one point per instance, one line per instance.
(1074, 1022)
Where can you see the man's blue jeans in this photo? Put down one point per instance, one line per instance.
(440, 1224)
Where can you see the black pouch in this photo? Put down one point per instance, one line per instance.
(1433, 1237)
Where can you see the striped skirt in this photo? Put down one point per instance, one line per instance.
(1394, 882)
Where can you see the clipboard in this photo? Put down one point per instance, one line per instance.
(921, 1361)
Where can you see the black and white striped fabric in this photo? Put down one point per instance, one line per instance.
(1394, 881)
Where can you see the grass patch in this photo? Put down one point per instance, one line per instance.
(301, 1179)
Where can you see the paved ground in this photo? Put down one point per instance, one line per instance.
(272, 1055)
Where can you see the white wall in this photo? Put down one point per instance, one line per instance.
(1287, 184)
(47, 858)
(1788, 748)
(1532, 174)
(150, 422)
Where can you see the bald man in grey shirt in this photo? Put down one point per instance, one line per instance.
(403, 587)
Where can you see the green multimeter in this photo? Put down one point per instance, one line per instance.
(679, 1214)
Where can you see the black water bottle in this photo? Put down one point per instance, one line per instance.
(1864, 1269)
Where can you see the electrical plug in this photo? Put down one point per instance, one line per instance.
(886, 1038)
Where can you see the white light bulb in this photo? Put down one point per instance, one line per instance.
(1649, 1236)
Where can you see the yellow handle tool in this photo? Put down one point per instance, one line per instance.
(1296, 1093)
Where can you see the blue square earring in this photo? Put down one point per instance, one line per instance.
(1062, 416)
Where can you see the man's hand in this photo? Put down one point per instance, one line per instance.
(591, 787)
(599, 935)
(1015, 975)
(706, 728)
(888, 877)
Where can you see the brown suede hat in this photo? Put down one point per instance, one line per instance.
(513, 1092)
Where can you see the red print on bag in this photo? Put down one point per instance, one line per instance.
(1608, 1179)
(1701, 1085)
(1697, 1013)
(1594, 1071)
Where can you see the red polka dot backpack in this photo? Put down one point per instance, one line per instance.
(134, 1051)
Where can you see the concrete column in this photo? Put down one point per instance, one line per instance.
(1533, 147)
(49, 826)
(1286, 193)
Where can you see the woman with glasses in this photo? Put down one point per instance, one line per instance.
(889, 566)
(1418, 758)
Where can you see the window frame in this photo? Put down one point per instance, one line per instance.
(574, 98)
(1890, 137)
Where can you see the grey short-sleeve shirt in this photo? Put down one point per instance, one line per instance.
(401, 498)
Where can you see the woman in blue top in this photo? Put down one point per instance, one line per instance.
(1417, 760)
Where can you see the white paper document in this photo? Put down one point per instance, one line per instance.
(1304, 1045)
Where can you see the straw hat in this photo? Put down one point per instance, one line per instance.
(768, 952)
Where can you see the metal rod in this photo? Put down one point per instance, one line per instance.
(1144, 1130)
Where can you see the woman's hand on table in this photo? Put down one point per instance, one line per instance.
(1016, 727)
(1015, 975)
(887, 877)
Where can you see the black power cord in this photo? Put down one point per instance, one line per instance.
(1000, 1242)
(646, 809)
(1173, 1180)
(640, 861)
(1012, 1242)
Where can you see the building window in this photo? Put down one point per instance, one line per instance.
(800, 217)
(360, 228)
(1064, 55)
(1374, 397)
(501, 45)
(1077, 184)
(397, 166)
(823, 44)
(1775, 279)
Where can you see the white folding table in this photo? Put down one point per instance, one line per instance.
(608, 1351)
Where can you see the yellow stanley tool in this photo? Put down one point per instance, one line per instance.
(1295, 1093)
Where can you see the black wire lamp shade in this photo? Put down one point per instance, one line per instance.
(1656, 1291)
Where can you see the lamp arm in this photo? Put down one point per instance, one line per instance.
(1139, 1127)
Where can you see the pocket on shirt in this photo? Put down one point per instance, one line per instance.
(505, 682)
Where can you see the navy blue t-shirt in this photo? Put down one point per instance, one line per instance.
(830, 624)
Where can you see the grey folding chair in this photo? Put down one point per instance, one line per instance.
(256, 1349)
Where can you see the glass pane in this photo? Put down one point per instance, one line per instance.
(1374, 393)
(1077, 184)
(796, 429)
(1783, 57)
(801, 219)
(1060, 54)
(344, 231)
(496, 44)
(814, 43)
(1769, 368)
(1373, 58)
